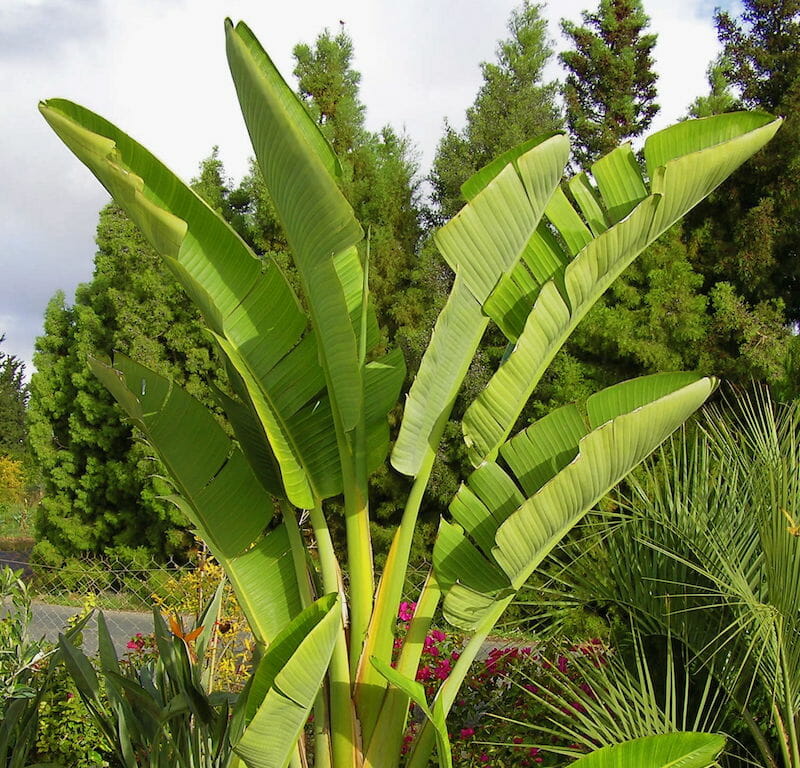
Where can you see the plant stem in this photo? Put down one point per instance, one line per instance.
(298, 551)
(387, 737)
(360, 564)
(789, 712)
(782, 737)
(343, 738)
(423, 747)
(758, 737)
(371, 685)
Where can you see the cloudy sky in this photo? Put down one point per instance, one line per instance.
(157, 69)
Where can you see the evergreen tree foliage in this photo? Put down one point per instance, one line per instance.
(512, 105)
(749, 232)
(763, 51)
(610, 88)
(378, 169)
(13, 399)
(720, 97)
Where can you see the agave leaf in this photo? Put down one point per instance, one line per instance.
(685, 162)
(286, 683)
(504, 526)
(668, 750)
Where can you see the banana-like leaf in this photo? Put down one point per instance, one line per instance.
(320, 225)
(218, 491)
(685, 163)
(256, 314)
(286, 683)
(416, 693)
(505, 522)
(666, 750)
(482, 244)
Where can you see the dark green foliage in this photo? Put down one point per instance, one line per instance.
(102, 486)
(763, 50)
(512, 105)
(13, 399)
(749, 232)
(610, 89)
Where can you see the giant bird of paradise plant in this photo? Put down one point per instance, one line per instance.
(310, 403)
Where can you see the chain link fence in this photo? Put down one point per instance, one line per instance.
(127, 589)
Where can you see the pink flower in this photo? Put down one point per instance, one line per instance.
(467, 733)
(483, 757)
(406, 612)
(443, 669)
(438, 635)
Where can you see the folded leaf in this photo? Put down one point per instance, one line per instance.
(686, 163)
(285, 684)
(505, 525)
(483, 243)
(218, 491)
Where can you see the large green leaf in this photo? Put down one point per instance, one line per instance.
(482, 243)
(319, 223)
(218, 491)
(255, 313)
(667, 750)
(685, 164)
(504, 524)
(286, 683)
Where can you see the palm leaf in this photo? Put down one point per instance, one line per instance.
(505, 526)
(685, 163)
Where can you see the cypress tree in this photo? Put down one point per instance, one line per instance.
(13, 399)
(610, 88)
(102, 488)
(749, 232)
(513, 104)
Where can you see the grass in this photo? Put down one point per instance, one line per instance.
(16, 528)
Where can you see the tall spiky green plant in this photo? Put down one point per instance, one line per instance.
(311, 398)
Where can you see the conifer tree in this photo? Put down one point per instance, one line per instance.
(513, 104)
(101, 485)
(749, 232)
(13, 399)
(610, 88)
(720, 97)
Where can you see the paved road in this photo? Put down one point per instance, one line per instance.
(49, 620)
